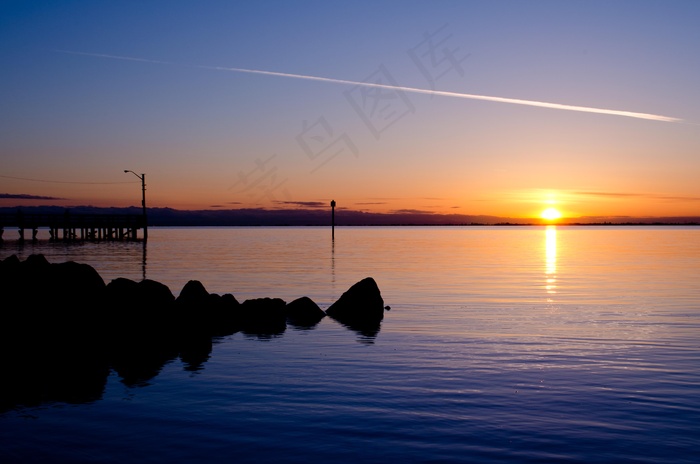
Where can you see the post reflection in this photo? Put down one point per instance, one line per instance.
(333, 261)
(551, 259)
(143, 261)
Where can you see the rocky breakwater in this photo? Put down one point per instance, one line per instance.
(63, 329)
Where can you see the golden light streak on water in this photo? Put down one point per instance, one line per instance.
(551, 259)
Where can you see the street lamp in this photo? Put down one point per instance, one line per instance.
(143, 201)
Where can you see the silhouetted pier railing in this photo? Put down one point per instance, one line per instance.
(69, 226)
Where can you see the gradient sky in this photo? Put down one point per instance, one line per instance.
(91, 88)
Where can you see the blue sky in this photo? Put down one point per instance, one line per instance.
(75, 113)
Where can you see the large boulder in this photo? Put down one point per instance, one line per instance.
(122, 291)
(361, 309)
(304, 312)
(263, 316)
(11, 309)
(142, 324)
(42, 288)
(65, 296)
(76, 280)
(362, 302)
(129, 297)
(30, 288)
(194, 308)
(139, 307)
(224, 315)
(52, 340)
(35, 263)
(193, 294)
(206, 312)
(12, 262)
(156, 294)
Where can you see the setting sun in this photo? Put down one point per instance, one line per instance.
(550, 214)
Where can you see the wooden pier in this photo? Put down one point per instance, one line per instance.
(69, 226)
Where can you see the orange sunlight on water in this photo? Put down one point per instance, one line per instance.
(551, 259)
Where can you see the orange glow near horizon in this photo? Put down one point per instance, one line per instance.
(551, 259)
(543, 206)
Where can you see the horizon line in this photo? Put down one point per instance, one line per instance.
(379, 213)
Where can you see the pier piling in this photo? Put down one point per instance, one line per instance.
(71, 227)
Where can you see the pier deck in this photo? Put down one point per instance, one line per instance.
(70, 226)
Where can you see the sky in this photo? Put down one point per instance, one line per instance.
(492, 107)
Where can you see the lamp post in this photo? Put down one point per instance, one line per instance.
(143, 201)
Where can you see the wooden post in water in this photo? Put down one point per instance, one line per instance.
(333, 219)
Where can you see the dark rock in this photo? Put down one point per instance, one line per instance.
(142, 327)
(78, 276)
(194, 309)
(304, 312)
(263, 316)
(361, 309)
(10, 290)
(9, 265)
(31, 284)
(193, 294)
(199, 310)
(129, 297)
(360, 303)
(155, 294)
(224, 314)
(140, 309)
(35, 263)
(122, 291)
(52, 343)
(71, 298)
(123, 304)
(229, 300)
(11, 260)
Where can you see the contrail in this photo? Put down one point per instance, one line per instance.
(515, 101)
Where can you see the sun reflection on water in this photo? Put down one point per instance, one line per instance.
(551, 259)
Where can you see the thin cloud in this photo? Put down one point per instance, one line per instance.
(305, 204)
(412, 211)
(25, 196)
(679, 198)
(638, 195)
(611, 194)
(514, 101)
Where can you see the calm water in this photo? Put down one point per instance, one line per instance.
(503, 344)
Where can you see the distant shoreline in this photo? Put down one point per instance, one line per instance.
(321, 217)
